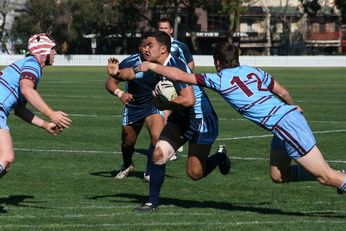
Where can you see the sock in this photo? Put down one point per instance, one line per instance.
(157, 176)
(342, 187)
(300, 174)
(127, 153)
(212, 162)
(149, 159)
(2, 170)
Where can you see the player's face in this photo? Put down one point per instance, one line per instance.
(143, 45)
(52, 56)
(164, 26)
(153, 50)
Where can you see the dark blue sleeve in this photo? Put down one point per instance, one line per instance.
(186, 52)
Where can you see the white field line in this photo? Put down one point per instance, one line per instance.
(270, 135)
(220, 119)
(66, 151)
(163, 224)
(230, 138)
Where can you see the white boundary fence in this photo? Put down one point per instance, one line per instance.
(200, 60)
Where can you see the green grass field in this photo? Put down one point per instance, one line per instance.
(66, 183)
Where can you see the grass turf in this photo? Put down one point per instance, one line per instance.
(66, 183)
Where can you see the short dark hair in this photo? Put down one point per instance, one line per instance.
(166, 20)
(162, 37)
(227, 54)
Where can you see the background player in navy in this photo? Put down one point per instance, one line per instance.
(195, 122)
(178, 48)
(256, 95)
(18, 83)
(138, 110)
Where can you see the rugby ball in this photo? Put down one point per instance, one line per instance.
(166, 89)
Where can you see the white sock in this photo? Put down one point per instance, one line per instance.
(342, 187)
(2, 167)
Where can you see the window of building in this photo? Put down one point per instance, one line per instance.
(249, 27)
(322, 27)
(217, 23)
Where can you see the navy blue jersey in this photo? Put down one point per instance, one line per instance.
(181, 51)
(141, 88)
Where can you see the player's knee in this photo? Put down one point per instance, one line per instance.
(163, 151)
(194, 174)
(276, 177)
(7, 159)
(128, 145)
(154, 139)
(158, 156)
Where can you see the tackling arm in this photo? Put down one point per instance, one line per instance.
(191, 65)
(172, 73)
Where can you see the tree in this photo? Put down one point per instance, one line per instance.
(66, 20)
(341, 5)
(35, 21)
(5, 9)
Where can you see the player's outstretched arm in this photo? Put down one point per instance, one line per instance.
(29, 117)
(172, 73)
(124, 74)
(33, 97)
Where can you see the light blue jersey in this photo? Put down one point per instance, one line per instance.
(246, 89)
(10, 95)
(181, 51)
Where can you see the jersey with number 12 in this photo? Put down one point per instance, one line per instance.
(247, 90)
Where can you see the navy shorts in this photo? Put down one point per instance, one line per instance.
(135, 116)
(195, 130)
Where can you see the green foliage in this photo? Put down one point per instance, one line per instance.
(67, 21)
(341, 5)
(66, 183)
(73, 22)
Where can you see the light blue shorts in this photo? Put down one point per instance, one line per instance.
(3, 121)
(293, 135)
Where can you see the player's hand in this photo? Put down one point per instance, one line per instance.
(61, 119)
(145, 66)
(126, 98)
(52, 128)
(160, 102)
(113, 67)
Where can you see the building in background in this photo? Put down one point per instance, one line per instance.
(265, 27)
(276, 27)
